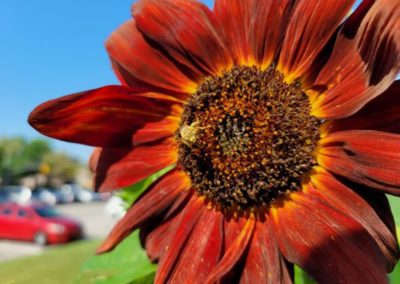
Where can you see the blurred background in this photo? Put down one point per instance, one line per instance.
(51, 221)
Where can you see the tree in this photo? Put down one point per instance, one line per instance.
(10, 149)
(61, 166)
(20, 157)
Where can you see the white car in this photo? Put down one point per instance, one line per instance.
(44, 195)
(17, 193)
(80, 194)
(115, 207)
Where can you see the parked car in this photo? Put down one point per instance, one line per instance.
(115, 207)
(16, 193)
(4, 196)
(44, 195)
(37, 222)
(63, 195)
(80, 194)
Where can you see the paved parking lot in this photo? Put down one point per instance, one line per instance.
(95, 222)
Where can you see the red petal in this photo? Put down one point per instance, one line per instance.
(268, 26)
(371, 158)
(234, 16)
(155, 200)
(159, 239)
(116, 168)
(329, 245)
(311, 25)
(364, 62)
(232, 229)
(145, 64)
(202, 251)
(234, 251)
(382, 114)
(186, 30)
(264, 263)
(328, 189)
(108, 117)
(187, 221)
(157, 234)
(254, 28)
(94, 157)
(380, 203)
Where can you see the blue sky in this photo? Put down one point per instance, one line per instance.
(50, 48)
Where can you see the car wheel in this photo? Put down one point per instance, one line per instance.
(40, 238)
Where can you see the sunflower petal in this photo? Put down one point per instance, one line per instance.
(94, 157)
(364, 62)
(268, 26)
(187, 30)
(382, 114)
(234, 16)
(311, 25)
(328, 189)
(367, 157)
(381, 205)
(108, 117)
(202, 251)
(116, 168)
(253, 28)
(264, 263)
(328, 244)
(155, 200)
(129, 50)
(233, 253)
(156, 241)
(188, 220)
(157, 234)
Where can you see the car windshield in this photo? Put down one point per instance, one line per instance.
(47, 212)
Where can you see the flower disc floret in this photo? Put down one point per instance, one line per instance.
(246, 137)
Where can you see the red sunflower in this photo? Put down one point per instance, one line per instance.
(282, 121)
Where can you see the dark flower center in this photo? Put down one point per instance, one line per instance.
(246, 137)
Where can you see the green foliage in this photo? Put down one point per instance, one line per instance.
(128, 263)
(20, 157)
(394, 202)
(36, 149)
(61, 166)
(394, 277)
(301, 277)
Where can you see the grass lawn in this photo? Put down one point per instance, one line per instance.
(55, 266)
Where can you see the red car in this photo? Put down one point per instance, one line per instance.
(37, 222)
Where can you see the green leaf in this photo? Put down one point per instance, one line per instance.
(301, 277)
(128, 263)
(394, 277)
